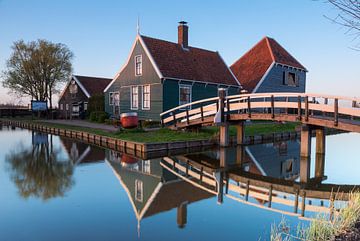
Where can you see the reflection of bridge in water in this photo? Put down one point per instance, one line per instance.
(270, 183)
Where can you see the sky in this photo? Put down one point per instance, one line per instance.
(101, 33)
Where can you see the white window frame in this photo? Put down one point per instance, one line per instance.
(114, 103)
(190, 88)
(139, 189)
(61, 106)
(140, 63)
(146, 166)
(85, 106)
(111, 102)
(143, 97)
(131, 97)
(67, 107)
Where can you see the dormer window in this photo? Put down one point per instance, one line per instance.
(138, 65)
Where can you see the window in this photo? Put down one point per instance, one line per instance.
(85, 106)
(111, 98)
(134, 97)
(138, 65)
(146, 166)
(146, 97)
(61, 106)
(184, 94)
(139, 190)
(75, 109)
(116, 98)
(67, 106)
(290, 79)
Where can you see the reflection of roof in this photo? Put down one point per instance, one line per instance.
(192, 63)
(158, 196)
(173, 194)
(252, 66)
(83, 153)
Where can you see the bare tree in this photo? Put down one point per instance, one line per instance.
(37, 68)
(348, 16)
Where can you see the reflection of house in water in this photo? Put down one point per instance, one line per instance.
(81, 153)
(152, 189)
(280, 160)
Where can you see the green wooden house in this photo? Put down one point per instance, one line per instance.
(159, 75)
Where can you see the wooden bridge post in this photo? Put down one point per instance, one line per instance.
(182, 215)
(223, 157)
(305, 144)
(305, 152)
(224, 127)
(320, 140)
(320, 166)
(240, 133)
(240, 154)
(304, 169)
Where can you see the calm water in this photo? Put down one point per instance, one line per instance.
(52, 188)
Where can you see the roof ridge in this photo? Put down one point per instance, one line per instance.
(189, 47)
(269, 47)
(93, 77)
(254, 46)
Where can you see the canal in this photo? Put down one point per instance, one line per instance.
(55, 188)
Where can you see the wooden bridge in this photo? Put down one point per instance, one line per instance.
(314, 111)
(337, 112)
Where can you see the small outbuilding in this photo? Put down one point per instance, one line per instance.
(75, 96)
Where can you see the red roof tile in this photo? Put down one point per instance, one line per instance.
(189, 64)
(93, 85)
(252, 66)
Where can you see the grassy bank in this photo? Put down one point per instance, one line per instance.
(322, 227)
(166, 135)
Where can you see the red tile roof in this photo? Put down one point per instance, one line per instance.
(193, 63)
(93, 85)
(252, 66)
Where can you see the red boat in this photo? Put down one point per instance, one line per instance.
(129, 120)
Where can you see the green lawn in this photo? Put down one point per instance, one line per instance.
(166, 135)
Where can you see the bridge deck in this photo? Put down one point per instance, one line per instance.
(333, 112)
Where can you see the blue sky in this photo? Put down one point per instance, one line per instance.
(100, 33)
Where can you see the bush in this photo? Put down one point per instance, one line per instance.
(102, 116)
(151, 124)
(98, 116)
(93, 116)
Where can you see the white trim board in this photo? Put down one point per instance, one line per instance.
(79, 84)
(263, 77)
(146, 50)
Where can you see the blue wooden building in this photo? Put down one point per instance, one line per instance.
(268, 67)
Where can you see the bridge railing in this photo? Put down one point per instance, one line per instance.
(301, 104)
(245, 193)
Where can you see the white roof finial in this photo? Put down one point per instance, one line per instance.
(138, 25)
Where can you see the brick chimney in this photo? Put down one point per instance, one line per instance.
(183, 30)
